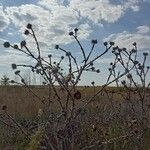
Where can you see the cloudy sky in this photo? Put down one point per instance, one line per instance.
(122, 21)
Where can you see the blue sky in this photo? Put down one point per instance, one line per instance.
(111, 20)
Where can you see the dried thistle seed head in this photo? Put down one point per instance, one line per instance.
(77, 95)
(93, 83)
(111, 43)
(135, 62)
(133, 50)
(93, 68)
(111, 63)
(68, 53)
(115, 48)
(140, 67)
(109, 69)
(71, 33)
(12, 81)
(49, 55)
(129, 76)
(62, 57)
(26, 32)
(15, 46)
(56, 46)
(94, 42)
(23, 44)
(105, 43)
(119, 50)
(145, 54)
(123, 82)
(134, 44)
(98, 71)
(4, 107)
(17, 72)
(124, 49)
(14, 66)
(29, 26)
(76, 29)
(6, 44)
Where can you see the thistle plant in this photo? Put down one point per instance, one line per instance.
(61, 129)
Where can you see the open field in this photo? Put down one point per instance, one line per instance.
(109, 116)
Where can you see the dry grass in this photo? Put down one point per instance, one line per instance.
(23, 104)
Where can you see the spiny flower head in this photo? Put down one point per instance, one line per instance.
(129, 76)
(133, 50)
(76, 29)
(94, 42)
(124, 49)
(49, 55)
(17, 72)
(111, 43)
(145, 54)
(98, 71)
(14, 66)
(93, 83)
(71, 33)
(105, 43)
(23, 44)
(123, 82)
(135, 62)
(62, 57)
(6, 44)
(56, 46)
(15, 46)
(77, 95)
(26, 32)
(134, 44)
(68, 54)
(12, 81)
(29, 26)
(115, 48)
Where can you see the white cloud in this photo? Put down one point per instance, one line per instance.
(52, 20)
(125, 38)
(133, 4)
(51, 26)
(143, 29)
(4, 21)
(13, 58)
(97, 11)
